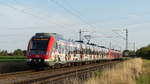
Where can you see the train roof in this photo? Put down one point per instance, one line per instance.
(57, 36)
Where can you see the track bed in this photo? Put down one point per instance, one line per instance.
(52, 75)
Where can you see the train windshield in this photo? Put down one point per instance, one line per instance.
(39, 46)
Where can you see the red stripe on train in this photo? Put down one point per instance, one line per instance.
(50, 46)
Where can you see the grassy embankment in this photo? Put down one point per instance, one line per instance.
(145, 76)
(123, 73)
(12, 58)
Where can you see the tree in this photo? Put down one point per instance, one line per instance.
(24, 52)
(3, 53)
(18, 52)
(144, 52)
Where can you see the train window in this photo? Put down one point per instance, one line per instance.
(56, 45)
(66, 48)
(39, 44)
(59, 48)
(97, 53)
(86, 50)
(62, 49)
(89, 51)
(71, 49)
(78, 51)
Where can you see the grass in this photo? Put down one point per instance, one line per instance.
(12, 58)
(145, 76)
(123, 73)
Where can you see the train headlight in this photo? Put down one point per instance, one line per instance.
(29, 60)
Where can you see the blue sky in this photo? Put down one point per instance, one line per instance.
(21, 19)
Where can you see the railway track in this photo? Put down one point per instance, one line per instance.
(47, 76)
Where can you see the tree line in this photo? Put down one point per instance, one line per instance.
(17, 52)
(144, 52)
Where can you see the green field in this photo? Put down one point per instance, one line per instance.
(145, 76)
(12, 58)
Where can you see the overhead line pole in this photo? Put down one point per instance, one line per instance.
(80, 34)
(126, 39)
(134, 46)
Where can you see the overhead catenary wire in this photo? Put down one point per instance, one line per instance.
(36, 16)
(75, 13)
(115, 42)
(67, 10)
(40, 15)
(120, 35)
(78, 13)
(72, 12)
(73, 25)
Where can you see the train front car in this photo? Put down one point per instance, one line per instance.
(39, 49)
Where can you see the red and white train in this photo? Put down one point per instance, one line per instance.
(50, 49)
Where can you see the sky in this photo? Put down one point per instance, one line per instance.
(102, 19)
